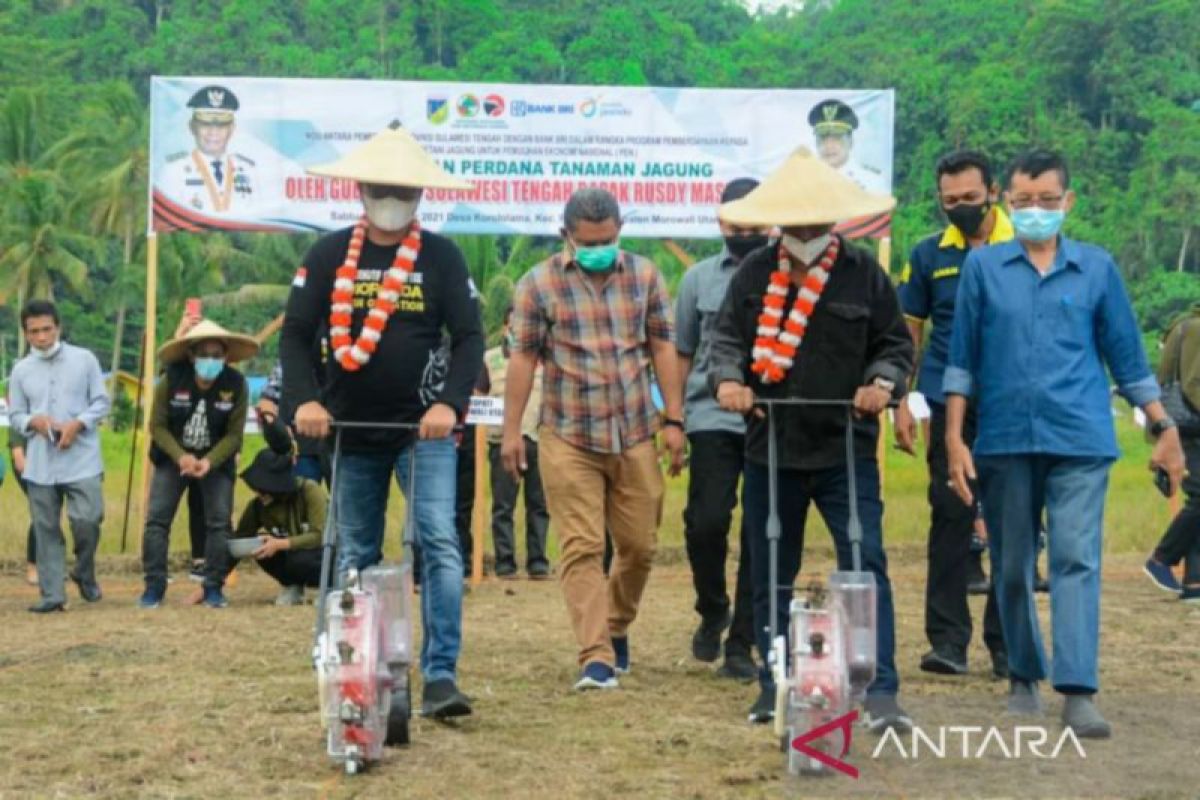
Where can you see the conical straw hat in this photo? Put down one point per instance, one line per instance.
(392, 158)
(804, 191)
(237, 346)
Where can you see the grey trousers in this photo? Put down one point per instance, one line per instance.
(85, 512)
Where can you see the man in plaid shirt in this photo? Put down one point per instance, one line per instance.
(597, 316)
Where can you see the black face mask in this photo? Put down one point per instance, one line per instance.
(967, 218)
(740, 246)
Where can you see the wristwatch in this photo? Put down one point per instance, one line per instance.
(673, 423)
(885, 384)
(1161, 425)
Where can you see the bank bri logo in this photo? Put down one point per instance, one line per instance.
(525, 108)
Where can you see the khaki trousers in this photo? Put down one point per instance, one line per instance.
(586, 492)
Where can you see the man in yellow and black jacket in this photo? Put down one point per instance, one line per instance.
(967, 196)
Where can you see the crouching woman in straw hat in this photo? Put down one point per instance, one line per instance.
(812, 317)
(196, 422)
(383, 292)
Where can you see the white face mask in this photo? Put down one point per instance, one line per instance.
(49, 352)
(390, 213)
(808, 252)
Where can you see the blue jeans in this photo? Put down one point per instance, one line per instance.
(1016, 489)
(828, 488)
(360, 504)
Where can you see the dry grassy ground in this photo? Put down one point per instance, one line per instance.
(109, 701)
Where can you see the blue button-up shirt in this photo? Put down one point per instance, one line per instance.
(1032, 350)
(66, 387)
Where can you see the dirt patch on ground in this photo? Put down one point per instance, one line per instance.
(110, 701)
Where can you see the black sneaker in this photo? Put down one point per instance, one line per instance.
(1040, 584)
(88, 590)
(1000, 664)
(881, 712)
(977, 579)
(763, 710)
(944, 660)
(706, 641)
(738, 666)
(47, 607)
(441, 699)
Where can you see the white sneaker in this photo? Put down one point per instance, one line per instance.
(291, 596)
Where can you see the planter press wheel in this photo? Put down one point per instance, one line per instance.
(398, 716)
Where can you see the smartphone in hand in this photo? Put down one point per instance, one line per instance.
(194, 308)
(1162, 481)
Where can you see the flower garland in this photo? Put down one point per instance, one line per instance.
(774, 349)
(354, 355)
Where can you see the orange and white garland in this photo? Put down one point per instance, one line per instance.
(354, 355)
(774, 349)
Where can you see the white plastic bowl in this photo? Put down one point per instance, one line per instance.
(243, 547)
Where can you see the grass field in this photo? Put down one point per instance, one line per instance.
(185, 702)
(1135, 517)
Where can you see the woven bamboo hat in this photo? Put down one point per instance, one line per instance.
(237, 346)
(804, 190)
(393, 158)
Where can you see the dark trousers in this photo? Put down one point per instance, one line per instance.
(197, 529)
(464, 500)
(166, 489)
(829, 490)
(947, 615)
(294, 567)
(504, 503)
(716, 460)
(31, 539)
(1182, 539)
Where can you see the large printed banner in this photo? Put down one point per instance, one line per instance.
(231, 153)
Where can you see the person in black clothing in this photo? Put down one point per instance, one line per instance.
(16, 450)
(928, 289)
(383, 292)
(196, 423)
(829, 327)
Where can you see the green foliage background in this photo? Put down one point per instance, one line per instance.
(1114, 85)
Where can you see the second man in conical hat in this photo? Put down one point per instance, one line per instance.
(362, 342)
(812, 316)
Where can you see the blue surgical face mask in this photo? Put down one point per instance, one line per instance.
(207, 369)
(597, 258)
(1037, 224)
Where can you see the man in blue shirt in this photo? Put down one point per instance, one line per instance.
(1037, 321)
(967, 196)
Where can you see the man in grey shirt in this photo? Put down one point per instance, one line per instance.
(57, 400)
(717, 439)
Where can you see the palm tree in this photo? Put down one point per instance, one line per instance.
(38, 244)
(109, 158)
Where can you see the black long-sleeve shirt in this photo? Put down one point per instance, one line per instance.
(410, 370)
(855, 334)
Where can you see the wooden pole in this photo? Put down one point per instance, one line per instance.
(133, 446)
(479, 513)
(269, 330)
(149, 365)
(679, 253)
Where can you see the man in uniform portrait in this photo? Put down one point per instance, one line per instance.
(833, 123)
(210, 178)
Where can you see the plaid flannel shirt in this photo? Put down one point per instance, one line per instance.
(594, 343)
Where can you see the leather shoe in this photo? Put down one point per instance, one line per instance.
(47, 607)
(88, 591)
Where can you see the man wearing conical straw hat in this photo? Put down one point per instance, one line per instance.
(196, 423)
(812, 316)
(362, 342)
